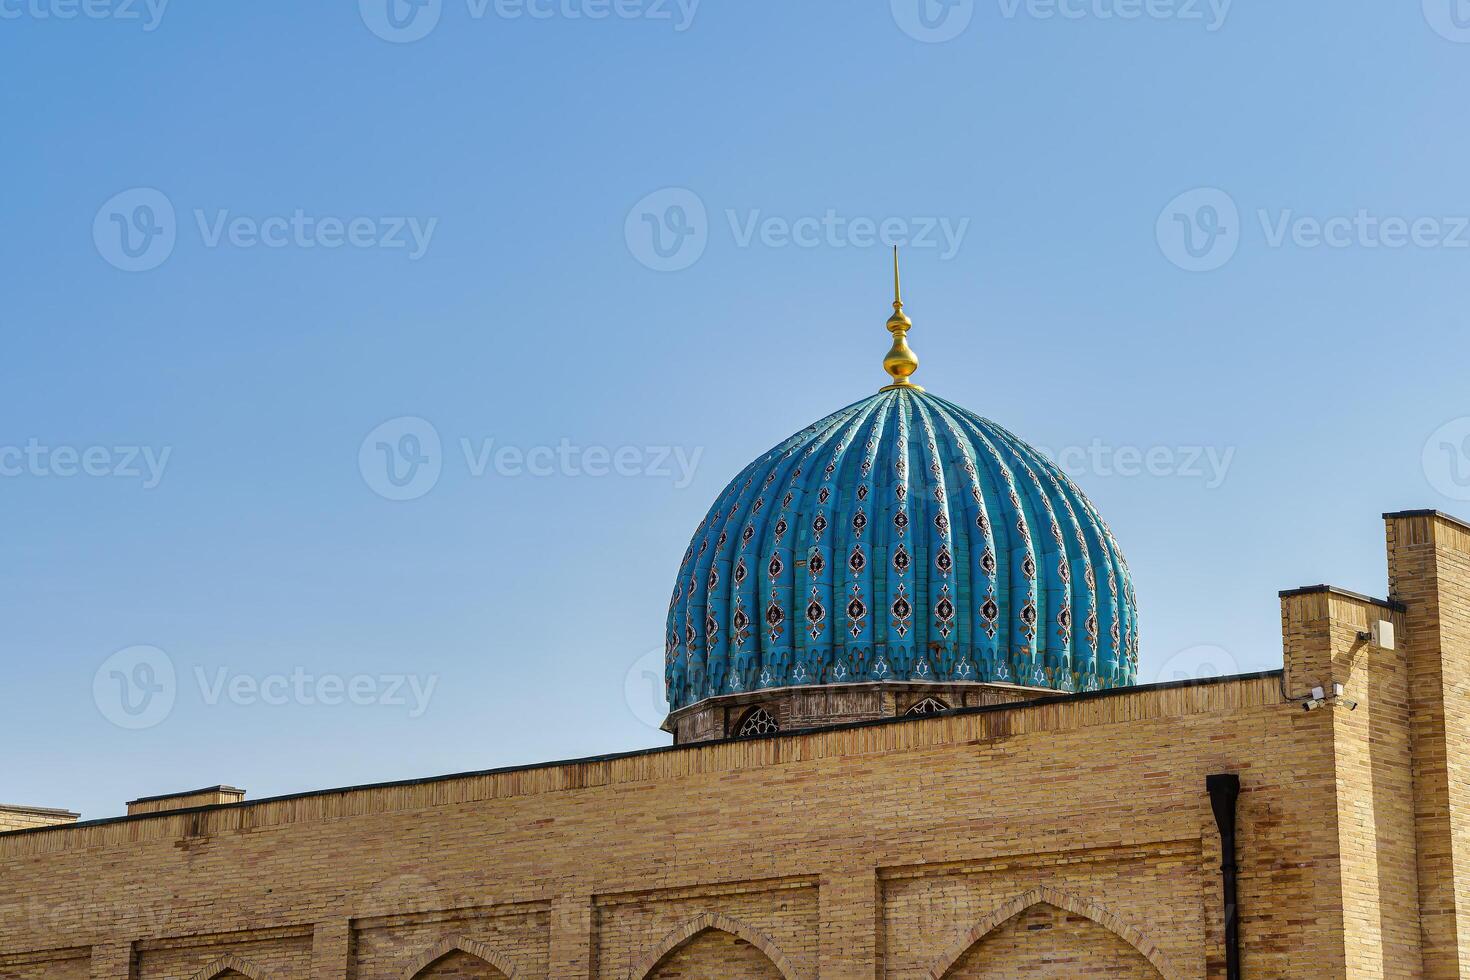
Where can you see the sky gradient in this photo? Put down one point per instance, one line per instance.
(1211, 256)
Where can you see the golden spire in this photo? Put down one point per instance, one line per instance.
(900, 361)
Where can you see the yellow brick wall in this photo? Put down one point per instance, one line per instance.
(25, 818)
(784, 911)
(387, 947)
(928, 909)
(716, 954)
(1429, 570)
(279, 953)
(203, 797)
(460, 965)
(1047, 943)
(856, 851)
(1372, 815)
(62, 965)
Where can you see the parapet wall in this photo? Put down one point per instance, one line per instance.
(984, 842)
(840, 851)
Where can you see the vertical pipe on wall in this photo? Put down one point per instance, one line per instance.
(1224, 789)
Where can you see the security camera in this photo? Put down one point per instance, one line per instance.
(1380, 635)
(1321, 697)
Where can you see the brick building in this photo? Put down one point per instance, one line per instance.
(929, 760)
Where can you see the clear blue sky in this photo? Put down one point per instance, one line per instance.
(533, 310)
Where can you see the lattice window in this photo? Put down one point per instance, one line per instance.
(927, 706)
(757, 721)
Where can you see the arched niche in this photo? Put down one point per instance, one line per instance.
(714, 947)
(458, 958)
(1043, 929)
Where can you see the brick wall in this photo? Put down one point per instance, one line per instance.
(716, 954)
(460, 965)
(28, 817)
(1429, 571)
(851, 851)
(1371, 816)
(1047, 943)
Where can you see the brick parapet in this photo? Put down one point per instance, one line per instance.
(1429, 572)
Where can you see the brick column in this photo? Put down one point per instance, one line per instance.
(331, 949)
(849, 926)
(112, 961)
(1429, 571)
(1360, 779)
(571, 937)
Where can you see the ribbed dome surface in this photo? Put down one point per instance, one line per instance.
(902, 538)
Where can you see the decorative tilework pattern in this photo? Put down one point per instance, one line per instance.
(901, 538)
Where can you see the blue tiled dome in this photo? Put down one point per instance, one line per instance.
(900, 539)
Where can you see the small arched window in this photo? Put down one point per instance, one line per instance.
(757, 721)
(926, 706)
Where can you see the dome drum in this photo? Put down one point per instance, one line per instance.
(794, 709)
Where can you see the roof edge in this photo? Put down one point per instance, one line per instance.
(186, 792)
(40, 811)
(1393, 604)
(1457, 521)
(659, 750)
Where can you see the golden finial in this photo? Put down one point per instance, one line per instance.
(900, 361)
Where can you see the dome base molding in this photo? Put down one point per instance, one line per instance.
(820, 706)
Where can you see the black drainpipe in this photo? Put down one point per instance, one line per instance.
(1224, 789)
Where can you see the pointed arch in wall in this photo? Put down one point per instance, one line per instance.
(459, 944)
(1044, 895)
(230, 962)
(705, 922)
